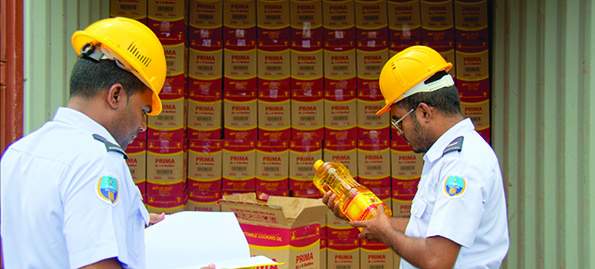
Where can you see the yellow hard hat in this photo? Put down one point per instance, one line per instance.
(134, 45)
(404, 74)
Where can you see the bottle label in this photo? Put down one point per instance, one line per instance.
(361, 204)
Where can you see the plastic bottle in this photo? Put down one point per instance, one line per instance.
(356, 201)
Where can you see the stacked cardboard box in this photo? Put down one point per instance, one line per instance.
(134, 9)
(473, 83)
(206, 19)
(166, 175)
(137, 163)
(406, 173)
(273, 20)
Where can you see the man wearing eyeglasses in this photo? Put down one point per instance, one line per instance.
(458, 216)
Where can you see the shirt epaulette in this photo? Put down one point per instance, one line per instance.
(110, 146)
(456, 144)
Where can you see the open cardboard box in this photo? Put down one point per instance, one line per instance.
(286, 229)
(193, 239)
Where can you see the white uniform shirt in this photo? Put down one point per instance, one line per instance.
(67, 201)
(461, 197)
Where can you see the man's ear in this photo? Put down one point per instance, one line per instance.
(115, 96)
(426, 111)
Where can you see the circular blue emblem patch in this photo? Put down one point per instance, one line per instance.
(107, 189)
(454, 186)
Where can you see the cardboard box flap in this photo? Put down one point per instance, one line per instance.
(300, 211)
(244, 197)
(247, 210)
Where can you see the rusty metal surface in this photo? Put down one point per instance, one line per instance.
(11, 92)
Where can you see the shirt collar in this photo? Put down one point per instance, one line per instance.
(435, 152)
(80, 121)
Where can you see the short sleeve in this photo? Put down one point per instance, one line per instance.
(459, 203)
(93, 212)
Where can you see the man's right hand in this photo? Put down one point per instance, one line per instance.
(329, 199)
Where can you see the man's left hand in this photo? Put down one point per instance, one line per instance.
(375, 229)
(155, 218)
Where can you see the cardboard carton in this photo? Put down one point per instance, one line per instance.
(306, 19)
(343, 253)
(404, 19)
(203, 200)
(205, 158)
(340, 65)
(239, 19)
(274, 64)
(375, 255)
(473, 70)
(240, 69)
(471, 19)
(285, 229)
(340, 116)
(371, 56)
(240, 114)
(437, 20)
(171, 123)
(307, 114)
(206, 19)
(167, 15)
(302, 155)
(371, 21)
(338, 19)
(205, 64)
(134, 9)
(239, 165)
(374, 162)
(272, 171)
(307, 60)
(204, 116)
(370, 125)
(175, 47)
(342, 151)
(272, 21)
(274, 115)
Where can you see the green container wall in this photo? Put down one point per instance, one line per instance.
(543, 113)
(48, 54)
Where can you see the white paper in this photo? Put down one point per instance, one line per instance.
(193, 239)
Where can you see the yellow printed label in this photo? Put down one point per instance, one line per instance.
(360, 205)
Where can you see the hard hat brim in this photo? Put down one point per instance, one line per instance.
(384, 109)
(156, 106)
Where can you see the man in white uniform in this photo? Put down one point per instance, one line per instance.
(458, 216)
(68, 199)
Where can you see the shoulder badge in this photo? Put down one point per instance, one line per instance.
(454, 186)
(110, 146)
(456, 144)
(108, 189)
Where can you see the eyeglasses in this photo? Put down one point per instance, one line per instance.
(396, 123)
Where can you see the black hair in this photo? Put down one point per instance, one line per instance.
(90, 77)
(445, 99)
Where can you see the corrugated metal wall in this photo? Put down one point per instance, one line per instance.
(49, 56)
(543, 115)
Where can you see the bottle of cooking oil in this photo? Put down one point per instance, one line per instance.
(356, 201)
